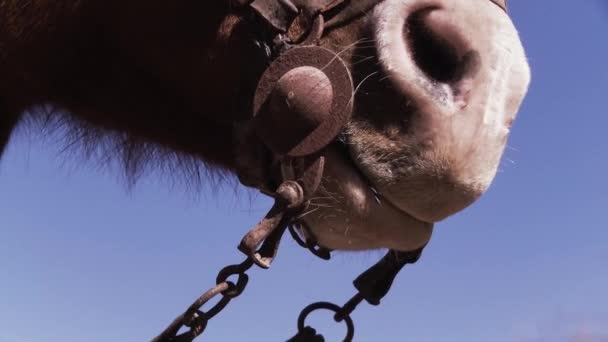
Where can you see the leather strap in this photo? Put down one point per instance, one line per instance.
(280, 14)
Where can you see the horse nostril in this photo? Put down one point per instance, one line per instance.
(437, 49)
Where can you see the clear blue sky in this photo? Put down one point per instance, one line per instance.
(83, 259)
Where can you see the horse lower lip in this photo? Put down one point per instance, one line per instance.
(345, 154)
(346, 214)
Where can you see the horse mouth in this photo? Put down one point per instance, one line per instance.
(341, 146)
(348, 213)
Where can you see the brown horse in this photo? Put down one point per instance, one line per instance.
(438, 85)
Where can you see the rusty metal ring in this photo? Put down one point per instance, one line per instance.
(235, 289)
(330, 64)
(350, 327)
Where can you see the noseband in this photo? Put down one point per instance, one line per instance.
(302, 102)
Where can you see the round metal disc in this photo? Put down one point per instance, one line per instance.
(341, 109)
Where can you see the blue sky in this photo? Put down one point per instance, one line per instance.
(83, 259)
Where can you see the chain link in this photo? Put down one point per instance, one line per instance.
(372, 286)
(261, 245)
(194, 318)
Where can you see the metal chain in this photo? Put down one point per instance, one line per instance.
(372, 286)
(196, 319)
(260, 245)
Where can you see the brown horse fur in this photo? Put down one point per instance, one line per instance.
(160, 83)
(144, 81)
(169, 84)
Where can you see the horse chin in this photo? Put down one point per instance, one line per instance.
(348, 214)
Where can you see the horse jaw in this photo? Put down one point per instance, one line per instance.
(447, 154)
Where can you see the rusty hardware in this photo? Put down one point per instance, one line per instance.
(308, 334)
(262, 242)
(289, 202)
(307, 92)
(195, 319)
(260, 245)
(283, 99)
(372, 286)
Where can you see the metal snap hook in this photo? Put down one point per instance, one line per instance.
(339, 316)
